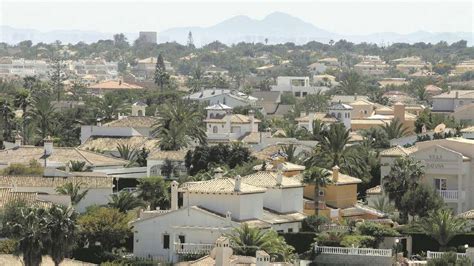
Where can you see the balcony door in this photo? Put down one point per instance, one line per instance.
(441, 183)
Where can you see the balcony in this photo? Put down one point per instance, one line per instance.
(192, 248)
(449, 195)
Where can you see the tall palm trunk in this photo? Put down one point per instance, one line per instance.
(316, 199)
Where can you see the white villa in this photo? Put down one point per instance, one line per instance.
(298, 86)
(228, 97)
(223, 126)
(214, 207)
(449, 101)
(449, 168)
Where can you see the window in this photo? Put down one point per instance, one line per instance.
(166, 241)
(321, 193)
(304, 94)
(441, 183)
(214, 129)
(182, 239)
(338, 115)
(280, 231)
(290, 230)
(298, 94)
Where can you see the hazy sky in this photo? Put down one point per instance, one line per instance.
(346, 17)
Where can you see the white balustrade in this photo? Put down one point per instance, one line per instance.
(437, 255)
(192, 248)
(449, 195)
(353, 251)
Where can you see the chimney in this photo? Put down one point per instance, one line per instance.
(228, 118)
(311, 121)
(457, 94)
(279, 177)
(238, 183)
(252, 121)
(222, 252)
(174, 195)
(48, 145)
(18, 140)
(399, 111)
(218, 173)
(99, 122)
(355, 96)
(335, 174)
(263, 259)
(228, 216)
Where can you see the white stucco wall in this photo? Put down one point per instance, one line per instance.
(284, 200)
(242, 207)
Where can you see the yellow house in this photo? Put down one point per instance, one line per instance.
(339, 199)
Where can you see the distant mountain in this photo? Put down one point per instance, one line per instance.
(277, 27)
(13, 35)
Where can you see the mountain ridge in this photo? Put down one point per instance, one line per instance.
(276, 27)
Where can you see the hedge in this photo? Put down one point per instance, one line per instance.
(422, 242)
(301, 241)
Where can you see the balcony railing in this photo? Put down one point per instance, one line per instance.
(437, 255)
(192, 248)
(353, 251)
(449, 195)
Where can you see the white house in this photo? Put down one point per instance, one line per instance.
(223, 126)
(213, 207)
(342, 112)
(298, 86)
(99, 186)
(451, 100)
(137, 124)
(228, 97)
(448, 168)
(307, 120)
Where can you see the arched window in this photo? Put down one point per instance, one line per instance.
(214, 129)
(155, 170)
(140, 113)
(211, 116)
(338, 115)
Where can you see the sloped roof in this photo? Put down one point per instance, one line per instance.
(324, 117)
(220, 186)
(111, 143)
(30, 198)
(235, 119)
(134, 121)
(398, 151)
(466, 94)
(267, 179)
(218, 106)
(158, 154)
(374, 190)
(25, 154)
(114, 85)
(39, 181)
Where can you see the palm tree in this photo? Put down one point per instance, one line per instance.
(154, 191)
(332, 149)
(442, 226)
(126, 152)
(43, 113)
(319, 177)
(403, 176)
(124, 201)
(383, 205)
(77, 166)
(196, 81)
(179, 123)
(395, 129)
(32, 233)
(61, 225)
(290, 151)
(22, 100)
(7, 120)
(246, 240)
(109, 106)
(351, 83)
(74, 191)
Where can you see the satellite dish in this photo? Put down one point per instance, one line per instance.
(440, 128)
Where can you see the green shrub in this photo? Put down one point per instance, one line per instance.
(332, 239)
(378, 231)
(8, 246)
(358, 241)
(312, 222)
(34, 168)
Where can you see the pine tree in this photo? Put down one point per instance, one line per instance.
(57, 76)
(161, 77)
(190, 40)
